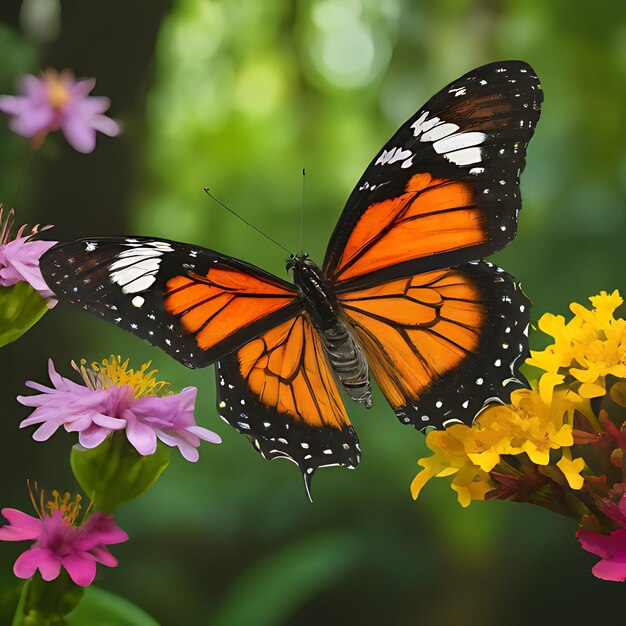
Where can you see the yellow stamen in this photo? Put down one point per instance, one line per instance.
(58, 93)
(68, 504)
(113, 371)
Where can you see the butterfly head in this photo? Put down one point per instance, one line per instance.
(297, 262)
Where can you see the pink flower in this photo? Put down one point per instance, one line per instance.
(19, 258)
(612, 549)
(115, 398)
(57, 101)
(60, 542)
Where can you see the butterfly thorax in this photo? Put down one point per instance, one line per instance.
(322, 308)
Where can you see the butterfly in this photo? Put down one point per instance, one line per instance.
(402, 296)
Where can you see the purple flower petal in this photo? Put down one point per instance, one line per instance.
(81, 568)
(611, 569)
(79, 135)
(49, 565)
(28, 562)
(141, 437)
(45, 431)
(83, 87)
(105, 125)
(205, 434)
(92, 437)
(58, 101)
(603, 545)
(58, 542)
(102, 555)
(19, 261)
(20, 527)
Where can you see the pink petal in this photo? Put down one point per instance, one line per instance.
(22, 526)
(45, 431)
(83, 87)
(93, 436)
(141, 437)
(33, 88)
(10, 105)
(106, 421)
(28, 562)
(81, 568)
(102, 555)
(50, 565)
(622, 506)
(204, 433)
(33, 120)
(105, 125)
(611, 569)
(79, 134)
(604, 546)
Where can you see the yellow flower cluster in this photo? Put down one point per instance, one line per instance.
(527, 425)
(591, 346)
(586, 349)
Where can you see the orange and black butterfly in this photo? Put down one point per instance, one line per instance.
(402, 294)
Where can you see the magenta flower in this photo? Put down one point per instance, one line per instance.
(19, 257)
(59, 541)
(116, 398)
(611, 548)
(58, 101)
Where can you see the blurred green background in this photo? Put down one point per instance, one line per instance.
(239, 95)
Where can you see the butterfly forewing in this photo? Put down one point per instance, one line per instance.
(444, 190)
(194, 303)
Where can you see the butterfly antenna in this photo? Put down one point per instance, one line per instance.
(302, 212)
(245, 221)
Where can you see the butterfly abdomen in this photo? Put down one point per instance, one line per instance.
(344, 353)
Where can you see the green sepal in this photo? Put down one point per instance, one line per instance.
(114, 472)
(21, 307)
(47, 603)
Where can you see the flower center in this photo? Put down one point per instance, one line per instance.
(113, 372)
(68, 504)
(58, 93)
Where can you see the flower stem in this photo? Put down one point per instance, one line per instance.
(44, 603)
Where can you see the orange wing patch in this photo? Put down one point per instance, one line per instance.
(214, 306)
(435, 215)
(416, 329)
(288, 370)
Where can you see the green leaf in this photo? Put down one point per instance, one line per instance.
(21, 307)
(271, 591)
(114, 472)
(103, 608)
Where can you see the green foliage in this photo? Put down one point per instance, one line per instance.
(278, 585)
(103, 608)
(239, 96)
(114, 472)
(44, 603)
(20, 308)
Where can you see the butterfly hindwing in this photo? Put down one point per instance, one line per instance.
(445, 189)
(194, 303)
(280, 392)
(443, 344)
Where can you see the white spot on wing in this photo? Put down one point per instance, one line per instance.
(459, 141)
(468, 156)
